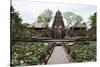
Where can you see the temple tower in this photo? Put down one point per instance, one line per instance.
(58, 28)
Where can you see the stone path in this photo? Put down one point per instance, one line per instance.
(58, 56)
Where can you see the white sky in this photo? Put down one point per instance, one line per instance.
(29, 10)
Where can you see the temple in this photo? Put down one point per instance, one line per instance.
(58, 28)
(78, 29)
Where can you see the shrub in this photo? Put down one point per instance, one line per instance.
(81, 52)
(23, 53)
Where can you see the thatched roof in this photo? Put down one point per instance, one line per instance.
(78, 24)
(36, 25)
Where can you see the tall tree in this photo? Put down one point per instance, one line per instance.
(15, 18)
(45, 17)
(15, 21)
(71, 17)
(93, 20)
(78, 18)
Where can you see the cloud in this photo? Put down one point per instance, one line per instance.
(30, 10)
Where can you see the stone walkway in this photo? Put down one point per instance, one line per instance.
(58, 56)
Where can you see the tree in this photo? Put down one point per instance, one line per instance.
(25, 24)
(78, 18)
(45, 17)
(92, 30)
(71, 17)
(25, 30)
(15, 18)
(93, 19)
(15, 21)
(40, 19)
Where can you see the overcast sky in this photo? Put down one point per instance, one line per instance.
(29, 10)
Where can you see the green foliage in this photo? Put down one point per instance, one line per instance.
(93, 18)
(25, 53)
(15, 18)
(78, 18)
(45, 17)
(81, 52)
(92, 30)
(71, 17)
(15, 22)
(18, 30)
(28, 53)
